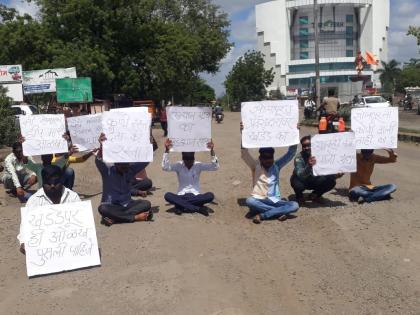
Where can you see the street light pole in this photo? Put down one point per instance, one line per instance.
(317, 75)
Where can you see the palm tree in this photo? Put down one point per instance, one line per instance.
(389, 74)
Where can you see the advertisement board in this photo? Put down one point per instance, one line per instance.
(74, 90)
(43, 81)
(11, 74)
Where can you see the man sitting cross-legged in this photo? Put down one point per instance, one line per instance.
(188, 199)
(116, 204)
(266, 202)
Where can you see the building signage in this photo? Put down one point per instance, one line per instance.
(43, 81)
(74, 90)
(11, 74)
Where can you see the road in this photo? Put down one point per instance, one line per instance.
(343, 258)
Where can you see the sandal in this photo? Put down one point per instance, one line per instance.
(107, 221)
(257, 219)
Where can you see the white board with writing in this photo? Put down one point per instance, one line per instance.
(270, 124)
(189, 128)
(335, 153)
(85, 131)
(128, 137)
(43, 134)
(130, 109)
(59, 238)
(375, 128)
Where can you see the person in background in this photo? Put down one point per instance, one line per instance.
(188, 199)
(141, 184)
(116, 204)
(52, 192)
(164, 120)
(330, 104)
(303, 177)
(361, 188)
(265, 202)
(17, 177)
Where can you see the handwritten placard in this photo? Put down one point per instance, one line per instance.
(43, 134)
(85, 131)
(189, 128)
(270, 124)
(130, 109)
(128, 137)
(375, 128)
(335, 153)
(59, 238)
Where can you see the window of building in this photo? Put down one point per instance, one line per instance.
(349, 30)
(349, 18)
(304, 43)
(349, 42)
(349, 53)
(304, 31)
(303, 20)
(304, 55)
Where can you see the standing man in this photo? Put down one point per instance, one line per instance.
(303, 177)
(164, 120)
(265, 202)
(17, 178)
(189, 199)
(116, 204)
(361, 188)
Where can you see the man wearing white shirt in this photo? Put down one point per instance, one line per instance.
(51, 192)
(188, 199)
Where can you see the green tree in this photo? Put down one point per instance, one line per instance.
(248, 79)
(202, 93)
(390, 72)
(9, 130)
(414, 31)
(409, 77)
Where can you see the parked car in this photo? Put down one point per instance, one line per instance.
(371, 101)
(24, 109)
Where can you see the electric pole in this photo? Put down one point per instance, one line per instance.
(316, 39)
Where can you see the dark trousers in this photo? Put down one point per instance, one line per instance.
(164, 125)
(68, 178)
(319, 184)
(143, 185)
(121, 214)
(189, 202)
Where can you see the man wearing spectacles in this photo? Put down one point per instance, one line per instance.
(189, 199)
(304, 179)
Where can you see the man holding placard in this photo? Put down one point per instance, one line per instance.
(265, 202)
(361, 188)
(189, 199)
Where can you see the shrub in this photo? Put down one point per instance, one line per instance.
(9, 130)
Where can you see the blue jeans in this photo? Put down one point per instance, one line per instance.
(268, 209)
(377, 193)
(68, 178)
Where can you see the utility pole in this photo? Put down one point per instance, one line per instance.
(317, 76)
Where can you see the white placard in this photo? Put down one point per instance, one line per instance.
(189, 128)
(43, 134)
(375, 128)
(85, 131)
(128, 137)
(140, 109)
(43, 81)
(59, 238)
(335, 153)
(270, 124)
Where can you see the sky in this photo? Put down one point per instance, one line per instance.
(244, 37)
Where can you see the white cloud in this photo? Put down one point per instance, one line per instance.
(24, 7)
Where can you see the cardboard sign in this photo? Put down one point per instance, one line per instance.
(375, 128)
(59, 238)
(128, 137)
(189, 128)
(85, 131)
(43, 81)
(270, 124)
(74, 90)
(43, 134)
(335, 153)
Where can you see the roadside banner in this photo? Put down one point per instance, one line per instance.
(43, 81)
(270, 124)
(74, 90)
(85, 131)
(335, 153)
(59, 238)
(189, 128)
(43, 134)
(11, 74)
(128, 137)
(375, 128)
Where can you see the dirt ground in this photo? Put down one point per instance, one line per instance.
(340, 259)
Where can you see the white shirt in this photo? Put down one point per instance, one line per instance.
(189, 179)
(41, 199)
(13, 167)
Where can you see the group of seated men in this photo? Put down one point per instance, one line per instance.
(121, 181)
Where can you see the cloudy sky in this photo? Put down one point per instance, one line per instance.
(243, 33)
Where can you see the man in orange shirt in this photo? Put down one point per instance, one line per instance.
(361, 188)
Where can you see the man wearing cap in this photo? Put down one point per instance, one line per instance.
(188, 198)
(265, 202)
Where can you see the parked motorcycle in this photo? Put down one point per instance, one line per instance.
(407, 104)
(219, 117)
